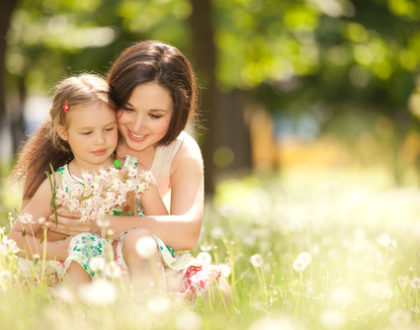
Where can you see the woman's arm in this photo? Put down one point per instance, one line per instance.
(180, 229)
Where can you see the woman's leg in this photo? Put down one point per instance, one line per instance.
(143, 260)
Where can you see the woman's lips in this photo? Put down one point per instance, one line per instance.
(135, 137)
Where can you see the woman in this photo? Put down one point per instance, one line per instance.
(154, 88)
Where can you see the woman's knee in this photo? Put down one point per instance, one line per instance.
(132, 243)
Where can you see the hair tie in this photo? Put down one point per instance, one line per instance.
(66, 105)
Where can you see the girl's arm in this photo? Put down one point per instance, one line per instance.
(27, 229)
(180, 229)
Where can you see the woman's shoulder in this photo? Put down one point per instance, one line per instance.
(189, 147)
(188, 155)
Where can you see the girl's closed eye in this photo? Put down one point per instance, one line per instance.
(110, 129)
(86, 133)
(155, 116)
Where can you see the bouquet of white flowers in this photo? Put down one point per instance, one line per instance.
(102, 192)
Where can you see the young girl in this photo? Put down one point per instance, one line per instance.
(79, 139)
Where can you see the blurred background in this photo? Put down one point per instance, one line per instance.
(329, 84)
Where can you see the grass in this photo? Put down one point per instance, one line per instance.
(361, 235)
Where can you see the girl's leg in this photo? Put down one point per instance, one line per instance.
(76, 274)
(145, 269)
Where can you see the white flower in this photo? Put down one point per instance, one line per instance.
(146, 247)
(99, 292)
(415, 283)
(25, 218)
(404, 281)
(342, 295)
(97, 264)
(385, 241)
(400, 319)
(275, 323)
(333, 319)
(302, 261)
(159, 305)
(298, 265)
(5, 278)
(225, 270)
(102, 222)
(64, 294)
(305, 257)
(379, 290)
(8, 246)
(256, 260)
(112, 270)
(217, 233)
(204, 258)
(188, 320)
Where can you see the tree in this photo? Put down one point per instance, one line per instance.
(6, 10)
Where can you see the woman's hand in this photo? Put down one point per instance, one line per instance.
(69, 223)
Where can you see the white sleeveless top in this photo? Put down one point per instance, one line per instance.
(161, 166)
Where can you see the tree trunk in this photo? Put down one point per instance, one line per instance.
(204, 61)
(6, 10)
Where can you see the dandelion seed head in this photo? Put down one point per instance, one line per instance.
(188, 320)
(146, 247)
(99, 292)
(158, 305)
(275, 323)
(298, 265)
(101, 222)
(333, 319)
(225, 270)
(378, 290)
(97, 264)
(25, 218)
(415, 283)
(206, 247)
(400, 318)
(217, 232)
(342, 295)
(305, 257)
(112, 270)
(64, 294)
(203, 258)
(257, 260)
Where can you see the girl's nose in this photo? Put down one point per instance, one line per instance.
(100, 138)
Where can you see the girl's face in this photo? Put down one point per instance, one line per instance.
(91, 133)
(145, 119)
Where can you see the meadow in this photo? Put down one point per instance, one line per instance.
(301, 249)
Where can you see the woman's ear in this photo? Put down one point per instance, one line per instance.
(62, 132)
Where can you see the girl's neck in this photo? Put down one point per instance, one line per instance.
(78, 167)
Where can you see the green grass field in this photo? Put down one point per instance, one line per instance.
(306, 250)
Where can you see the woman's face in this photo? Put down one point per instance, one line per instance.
(145, 119)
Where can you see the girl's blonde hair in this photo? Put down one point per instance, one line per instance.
(45, 146)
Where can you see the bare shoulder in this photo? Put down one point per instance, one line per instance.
(188, 156)
(189, 149)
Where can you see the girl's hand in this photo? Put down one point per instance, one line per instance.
(69, 223)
